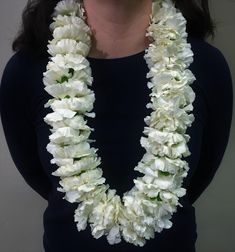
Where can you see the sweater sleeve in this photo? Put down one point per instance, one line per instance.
(219, 93)
(17, 126)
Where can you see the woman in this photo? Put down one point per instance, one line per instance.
(119, 71)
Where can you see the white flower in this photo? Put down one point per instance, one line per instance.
(62, 161)
(114, 235)
(61, 68)
(105, 217)
(67, 135)
(66, 7)
(66, 118)
(69, 31)
(74, 61)
(61, 20)
(130, 236)
(56, 75)
(59, 115)
(162, 143)
(151, 185)
(78, 104)
(82, 214)
(77, 187)
(167, 119)
(83, 164)
(70, 46)
(163, 164)
(73, 150)
(71, 88)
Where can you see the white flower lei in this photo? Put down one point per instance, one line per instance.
(148, 207)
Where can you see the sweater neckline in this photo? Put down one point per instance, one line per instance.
(124, 58)
(117, 59)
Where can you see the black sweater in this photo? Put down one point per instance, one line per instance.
(121, 91)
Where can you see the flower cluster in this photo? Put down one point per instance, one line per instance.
(148, 207)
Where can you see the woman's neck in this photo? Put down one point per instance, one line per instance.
(118, 26)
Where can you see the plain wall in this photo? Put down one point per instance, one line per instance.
(21, 210)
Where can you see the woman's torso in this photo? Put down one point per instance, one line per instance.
(121, 92)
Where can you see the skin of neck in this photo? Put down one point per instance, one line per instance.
(118, 26)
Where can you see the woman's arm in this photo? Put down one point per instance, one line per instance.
(17, 126)
(219, 93)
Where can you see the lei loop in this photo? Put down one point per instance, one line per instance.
(148, 207)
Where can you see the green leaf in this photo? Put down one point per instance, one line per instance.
(63, 79)
(156, 198)
(164, 173)
(71, 71)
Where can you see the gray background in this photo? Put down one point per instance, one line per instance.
(21, 210)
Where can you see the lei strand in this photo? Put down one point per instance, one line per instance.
(148, 207)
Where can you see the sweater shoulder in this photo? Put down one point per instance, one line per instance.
(207, 55)
(21, 70)
(21, 80)
(12, 79)
(23, 60)
(210, 66)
